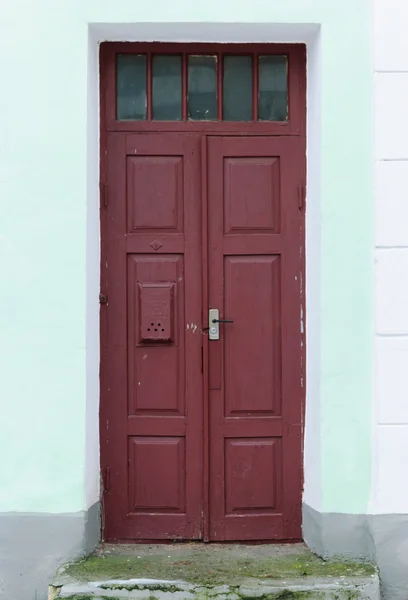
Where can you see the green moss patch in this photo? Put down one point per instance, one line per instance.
(207, 568)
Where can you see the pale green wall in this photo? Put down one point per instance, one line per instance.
(43, 191)
(347, 241)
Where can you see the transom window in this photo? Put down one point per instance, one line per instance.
(195, 87)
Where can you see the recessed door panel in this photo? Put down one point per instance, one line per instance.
(252, 194)
(165, 492)
(247, 491)
(156, 349)
(155, 193)
(252, 347)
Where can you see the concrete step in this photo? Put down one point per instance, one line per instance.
(318, 589)
(213, 572)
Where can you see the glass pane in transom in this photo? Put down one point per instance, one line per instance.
(237, 88)
(273, 88)
(166, 87)
(202, 88)
(131, 87)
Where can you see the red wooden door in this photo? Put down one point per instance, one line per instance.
(254, 367)
(151, 428)
(201, 167)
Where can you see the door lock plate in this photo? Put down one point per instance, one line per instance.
(213, 325)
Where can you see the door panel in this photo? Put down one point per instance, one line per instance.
(252, 380)
(255, 394)
(151, 427)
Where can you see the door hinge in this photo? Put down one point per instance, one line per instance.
(105, 479)
(104, 194)
(302, 196)
(103, 299)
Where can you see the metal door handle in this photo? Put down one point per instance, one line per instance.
(214, 323)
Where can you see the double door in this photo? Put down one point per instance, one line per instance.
(201, 417)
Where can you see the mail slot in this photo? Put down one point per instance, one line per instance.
(156, 311)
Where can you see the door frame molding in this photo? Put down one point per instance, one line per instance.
(205, 346)
(295, 126)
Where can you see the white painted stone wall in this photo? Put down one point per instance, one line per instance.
(390, 427)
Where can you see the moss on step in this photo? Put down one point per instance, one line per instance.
(281, 595)
(212, 568)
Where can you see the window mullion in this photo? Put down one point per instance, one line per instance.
(219, 86)
(149, 100)
(255, 86)
(184, 88)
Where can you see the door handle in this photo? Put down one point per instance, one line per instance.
(222, 321)
(214, 323)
